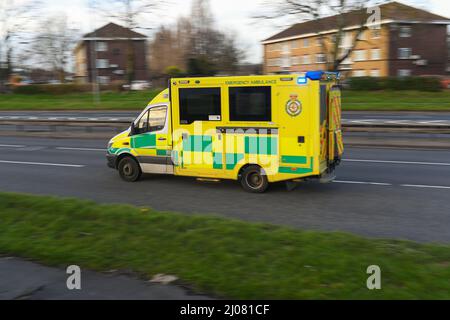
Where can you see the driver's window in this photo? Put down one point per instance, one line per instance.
(157, 119)
(142, 125)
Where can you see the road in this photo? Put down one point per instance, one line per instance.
(389, 193)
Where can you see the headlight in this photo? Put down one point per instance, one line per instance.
(110, 145)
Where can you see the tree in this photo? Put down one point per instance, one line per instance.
(53, 44)
(346, 11)
(195, 45)
(15, 18)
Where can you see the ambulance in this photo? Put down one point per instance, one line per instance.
(253, 129)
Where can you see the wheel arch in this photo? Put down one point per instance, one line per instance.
(124, 155)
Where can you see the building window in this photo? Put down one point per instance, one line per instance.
(375, 73)
(359, 73)
(306, 59)
(404, 72)
(102, 63)
(296, 61)
(360, 55)
(199, 104)
(405, 32)
(404, 53)
(250, 104)
(274, 62)
(375, 54)
(376, 34)
(286, 48)
(285, 62)
(319, 42)
(295, 44)
(101, 46)
(103, 80)
(305, 43)
(321, 58)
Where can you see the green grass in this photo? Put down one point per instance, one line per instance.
(352, 100)
(221, 257)
(396, 100)
(78, 101)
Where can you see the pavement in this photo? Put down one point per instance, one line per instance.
(26, 280)
(379, 192)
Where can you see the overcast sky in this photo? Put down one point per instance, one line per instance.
(230, 15)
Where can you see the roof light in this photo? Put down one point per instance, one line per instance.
(302, 80)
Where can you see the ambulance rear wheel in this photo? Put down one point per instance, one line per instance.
(129, 169)
(253, 179)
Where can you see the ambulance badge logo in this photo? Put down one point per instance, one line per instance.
(294, 106)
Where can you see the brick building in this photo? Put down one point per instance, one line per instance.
(109, 47)
(409, 41)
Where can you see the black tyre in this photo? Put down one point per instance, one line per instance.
(129, 169)
(253, 179)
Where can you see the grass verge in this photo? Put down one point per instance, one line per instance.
(352, 100)
(226, 258)
(78, 101)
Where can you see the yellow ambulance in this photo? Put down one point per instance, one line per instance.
(253, 129)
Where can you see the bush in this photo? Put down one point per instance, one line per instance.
(364, 84)
(60, 89)
(395, 83)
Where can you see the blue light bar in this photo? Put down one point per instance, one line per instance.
(314, 75)
(318, 75)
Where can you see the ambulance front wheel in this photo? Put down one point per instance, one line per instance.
(129, 169)
(253, 179)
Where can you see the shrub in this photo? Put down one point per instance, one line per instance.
(364, 84)
(60, 89)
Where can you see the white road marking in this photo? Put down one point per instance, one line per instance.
(399, 162)
(422, 186)
(362, 182)
(79, 149)
(11, 146)
(44, 164)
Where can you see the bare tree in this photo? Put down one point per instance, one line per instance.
(53, 44)
(15, 17)
(347, 12)
(194, 45)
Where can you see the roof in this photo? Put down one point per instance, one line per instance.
(112, 30)
(389, 11)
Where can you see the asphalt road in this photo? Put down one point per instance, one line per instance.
(389, 193)
(27, 280)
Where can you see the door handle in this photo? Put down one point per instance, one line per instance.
(162, 139)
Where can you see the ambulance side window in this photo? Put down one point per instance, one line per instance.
(157, 119)
(251, 104)
(199, 104)
(142, 125)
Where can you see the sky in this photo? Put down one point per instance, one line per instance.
(230, 16)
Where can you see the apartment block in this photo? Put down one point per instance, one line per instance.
(406, 42)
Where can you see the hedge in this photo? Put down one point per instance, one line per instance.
(395, 83)
(60, 89)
